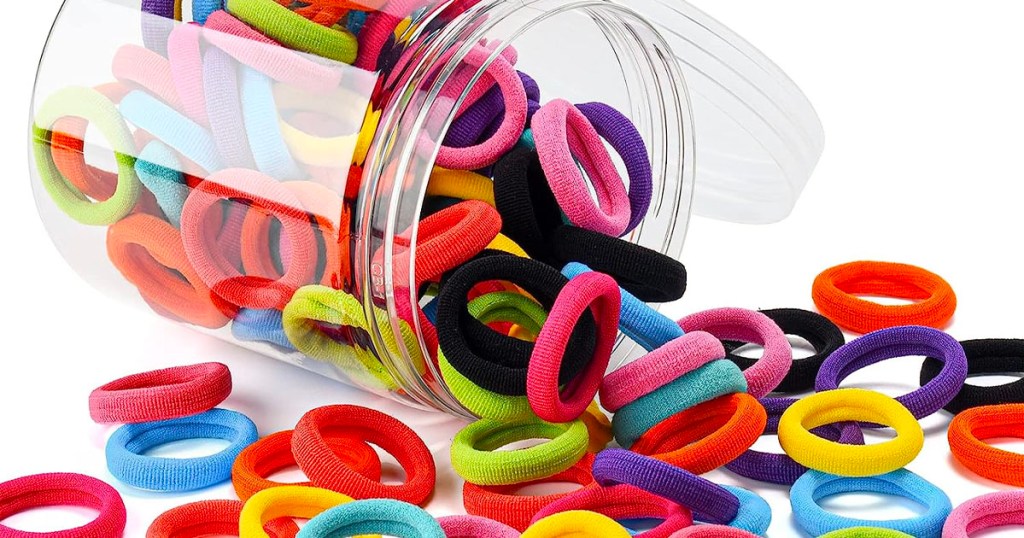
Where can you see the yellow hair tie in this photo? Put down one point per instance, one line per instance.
(461, 184)
(323, 151)
(846, 405)
(576, 524)
(503, 243)
(302, 502)
(599, 427)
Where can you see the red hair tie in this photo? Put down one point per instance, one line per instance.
(206, 518)
(63, 489)
(163, 394)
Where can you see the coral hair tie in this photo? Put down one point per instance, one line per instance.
(63, 489)
(836, 289)
(161, 394)
(970, 429)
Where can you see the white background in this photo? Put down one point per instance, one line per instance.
(922, 107)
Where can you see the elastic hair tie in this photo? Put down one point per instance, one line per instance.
(866, 532)
(299, 502)
(295, 31)
(815, 485)
(185, 59)
(484, 117)
(262, 122)
(159, 170)
(754, 515)
(529, 211)
(504, 503)
(624, 138)
(844, 405)
(264, 193)
(713, 531)
(496, 362)
(205, 518)
(599, 294)
(708, 501)
(273, 453)
(714, 379)
(141, 67)
(475, 527)
(998, 509)
(148, 253)
(386, 516)
(161, 394)
(780, 468)
(223, 103)
(63, 489)
(823, 335)
(476, 458)
(564, 136)
(576, 524)
(379, 27)
(489, 151)
(177, 131)
(325, 469)
(658, 368)
(461, 184)
(624, 502)
(638, 321)
(127, 446)
(990, 356)
(902, 342)
(707, 436)
(599, 428)
(260, 326)
(649, 275)
(970, 429)
(755, 328)
(96, 108)
(836, 289)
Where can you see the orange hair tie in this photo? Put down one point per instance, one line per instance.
(971, 428)
(706, 436)
(835, 293)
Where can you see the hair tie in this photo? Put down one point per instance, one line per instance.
(814, 485)
(385, 516)
(204, 518)
(261, 326)
(475, 527)
(159, 170)
(707, 436)
(901, 342)
(576, 524)
(990, 356)
(713, 531)
(564, 135)
(823, 335)
(658, 368)
(263, 127)
(985, 512)
(299, 502)
(295, 31)
(649, 275)
(127, 461)
(970, 429)
(714, 379)
(599, 428)
(529, 211)
(63, 489)
(460, 184)
(866, 532)
(624, 502)
(177, 131)
(836, 289)
(476, 458)
(325, 469)
(224, 106)
(755, 328)
(161, 394)
(141, 67)
(780, 468)
(379, 27)
(273, 453)
(844, 405)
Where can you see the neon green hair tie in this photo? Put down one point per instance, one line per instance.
(295, 31)
(476, 458)
(96, 108)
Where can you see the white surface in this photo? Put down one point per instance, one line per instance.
(921, 106)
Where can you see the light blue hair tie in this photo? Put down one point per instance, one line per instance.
(262, 126)
(754, 515)
(159, 170)
(172, 128)
(252, 325)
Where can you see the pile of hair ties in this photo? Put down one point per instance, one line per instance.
(685, 408)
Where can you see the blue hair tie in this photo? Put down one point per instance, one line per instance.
(252, 325)
(815, 485)
(754, 515)
(127, 446)
(201, 9)
(262, 126)
(172, 128)
(160, 171)
(374, 516)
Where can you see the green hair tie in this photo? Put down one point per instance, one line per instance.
(475, 456)
(295, 31)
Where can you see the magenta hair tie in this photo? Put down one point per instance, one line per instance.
(564, 135)
(380, 25)
(164, 394)
(63, 489)
(489, 151)
(753, 328)
(985, 512)
(475, 527)
(600, 294)
(659, 368)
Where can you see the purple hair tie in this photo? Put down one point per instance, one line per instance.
(708, 501)
(480, 121)
(157, 23)
(780, 468)
(224, 107)
(623, 136)
(902, 342)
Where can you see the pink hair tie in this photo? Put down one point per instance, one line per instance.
(511, 128)
(561, 132)
(754, 328)
(63, 489)
(380, 26)
(475, 527)
(147, 70)
(161, 394)
(659, 368)
(600, 294)
(713, 531)
(985, 512)
(185, 54)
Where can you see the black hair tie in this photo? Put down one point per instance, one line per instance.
(649, 275)
(528, 209)
(494, 361)
(985, 356)
(823, 335)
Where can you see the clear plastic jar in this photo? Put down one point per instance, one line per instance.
(206, 155)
